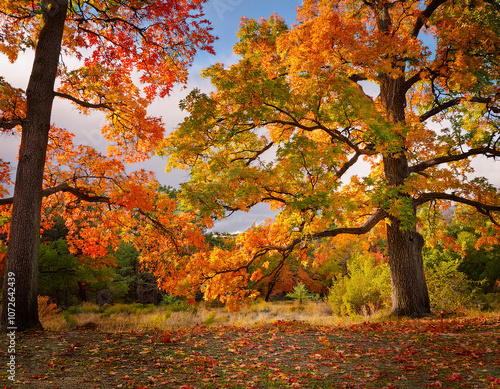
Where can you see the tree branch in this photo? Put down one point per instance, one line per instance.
(487, 151)
(10, 124)
(413, 80)
(371, 222)
(64, 188)
(452, 103)
(285, 251)
(481, 207)
(82, 103)
(425, 15)
(257, 153)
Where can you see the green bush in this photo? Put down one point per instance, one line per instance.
(449, 289)
(170, 299)
(177, 304)
(364, 290)
(490, 302)
(210, 319)
(70, 319)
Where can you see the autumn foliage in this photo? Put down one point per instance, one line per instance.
(352, 83)
(349, 122)
(97, 51)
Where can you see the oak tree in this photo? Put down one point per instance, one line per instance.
(289, 123)
(115, 43)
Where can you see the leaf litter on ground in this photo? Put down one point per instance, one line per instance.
(452, 353)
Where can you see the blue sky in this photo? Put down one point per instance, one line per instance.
(225, 16)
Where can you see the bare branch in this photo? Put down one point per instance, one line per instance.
(451, 103)
(413, 80)
(82, 103)
(371, 222)
(440, 108)
(482, 208)
(257, 153)
(7, 124)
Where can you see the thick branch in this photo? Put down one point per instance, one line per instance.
(372, 221)
(487, 151)
(257, 153)
(10, 124)
(285, 251)
(425, 15)
(64, 188)
(348, 165)
(451, 103)
(413, 80)
(482, 208)
(82, 103)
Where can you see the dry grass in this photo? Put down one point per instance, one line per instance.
(124, 318)
(89, 316)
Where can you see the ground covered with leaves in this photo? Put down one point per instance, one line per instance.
(449, 353)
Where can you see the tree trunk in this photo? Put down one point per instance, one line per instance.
(409, 289)
(22, 253)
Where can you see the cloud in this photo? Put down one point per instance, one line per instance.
(241, 221)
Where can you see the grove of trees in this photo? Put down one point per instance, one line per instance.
(287, 125)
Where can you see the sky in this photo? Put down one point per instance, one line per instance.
(225, 16)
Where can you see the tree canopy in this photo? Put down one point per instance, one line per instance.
(109, 56)
(291, 120)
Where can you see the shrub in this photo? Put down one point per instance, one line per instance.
(129, 309)
(210, 319)
(364, 290)
(449, 289)
(87, 307)
(301, 293)
(70, 319)
(46, 309)
(50, 315)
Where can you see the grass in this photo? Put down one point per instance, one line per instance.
(122, 317)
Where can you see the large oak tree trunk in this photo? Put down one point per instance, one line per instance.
(409, 289)
(22, 253)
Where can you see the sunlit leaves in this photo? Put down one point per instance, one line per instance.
(116, 57)
(289, 122)
(5, 177)
(12, 105)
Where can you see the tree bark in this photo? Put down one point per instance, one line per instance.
(409, 289)
(22, 253)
